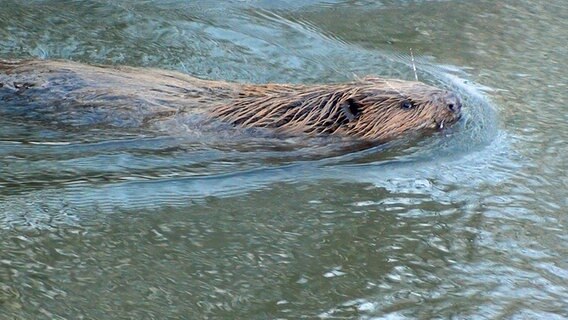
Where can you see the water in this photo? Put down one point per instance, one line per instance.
(100, 224)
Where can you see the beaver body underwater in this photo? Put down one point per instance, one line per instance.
(371, 109)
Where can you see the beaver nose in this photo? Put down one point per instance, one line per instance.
(454, 107)
(453, 103)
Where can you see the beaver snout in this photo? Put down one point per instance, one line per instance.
(453, 103)
(454, 107)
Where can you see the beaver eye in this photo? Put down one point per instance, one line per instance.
(406, 104)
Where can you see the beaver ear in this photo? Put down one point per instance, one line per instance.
(351, 109)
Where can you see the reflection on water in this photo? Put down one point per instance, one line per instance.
(467, 223)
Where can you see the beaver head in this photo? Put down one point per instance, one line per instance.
(372, 109)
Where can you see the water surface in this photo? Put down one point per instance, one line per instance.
(470, 223)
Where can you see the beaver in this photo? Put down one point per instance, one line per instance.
(372, 109)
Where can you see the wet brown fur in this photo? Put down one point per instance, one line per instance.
(372, 108)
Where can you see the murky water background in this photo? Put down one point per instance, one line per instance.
(101, 224)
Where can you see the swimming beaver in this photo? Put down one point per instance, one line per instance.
(372, 109)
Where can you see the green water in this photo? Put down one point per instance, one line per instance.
(469, 224)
